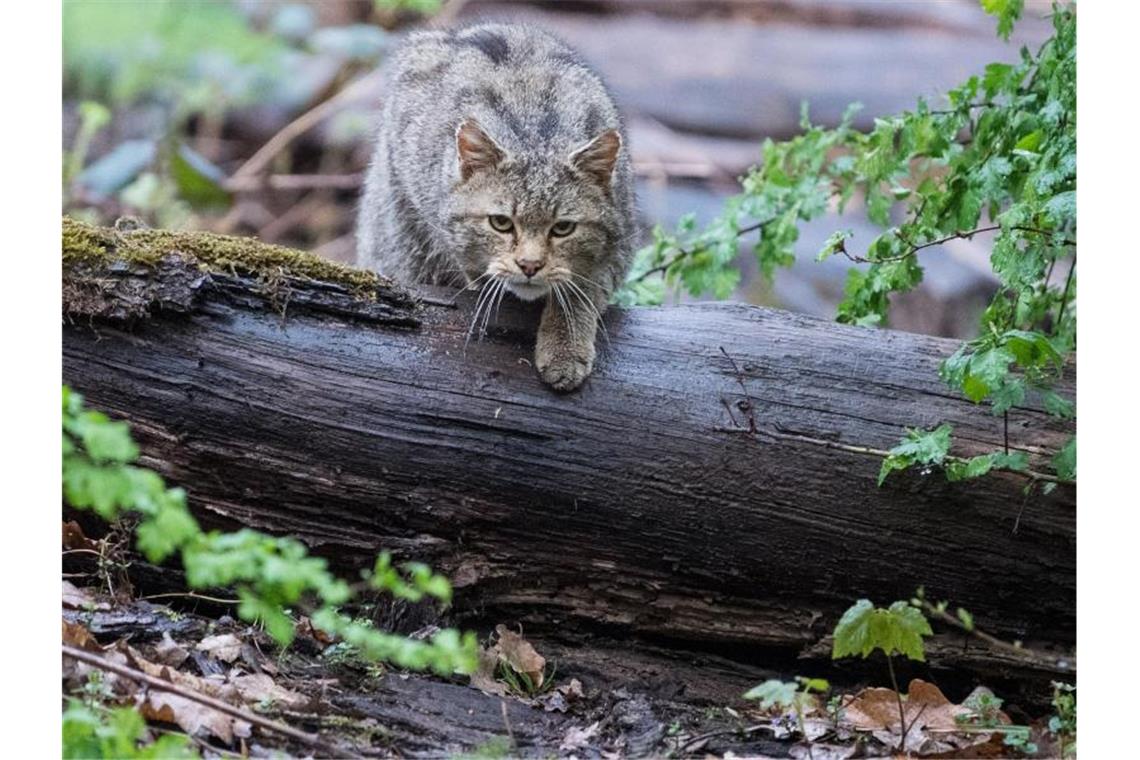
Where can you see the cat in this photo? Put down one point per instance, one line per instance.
(501, 162)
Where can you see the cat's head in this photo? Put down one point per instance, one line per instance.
(533, 219)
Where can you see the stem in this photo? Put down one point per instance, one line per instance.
(803, 730)
(959, 235)
(684, 253)
(1065, 295)
(1042, 659)
(898, 698)
(1005, 430)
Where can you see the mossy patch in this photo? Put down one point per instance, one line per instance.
(85, 243)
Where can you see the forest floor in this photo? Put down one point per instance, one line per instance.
(595, 698)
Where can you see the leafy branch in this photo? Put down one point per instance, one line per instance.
(999, 158)
(269, 574)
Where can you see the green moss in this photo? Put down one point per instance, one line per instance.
(216, 253)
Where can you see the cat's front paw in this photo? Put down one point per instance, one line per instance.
(562, 370)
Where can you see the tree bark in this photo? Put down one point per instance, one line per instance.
(711, 483)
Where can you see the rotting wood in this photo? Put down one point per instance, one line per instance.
(642, 504)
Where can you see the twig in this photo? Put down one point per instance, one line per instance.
(740, 380)
(686, 252)
(236, 712)
(507, 723)
(722, 732)
(294, 182)
(260, 160)
(959, 235)
(190, 595)
(1040, 658)
(1032, 474)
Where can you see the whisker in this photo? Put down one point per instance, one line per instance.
(468, 286)
(577, 292)
(498, 285)
(484, 295)
(566, 313)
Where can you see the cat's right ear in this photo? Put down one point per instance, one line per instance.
(476, 150)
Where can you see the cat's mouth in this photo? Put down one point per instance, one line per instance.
(528, 290)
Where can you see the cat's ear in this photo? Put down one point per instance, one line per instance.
(596, 159)
(476, 150)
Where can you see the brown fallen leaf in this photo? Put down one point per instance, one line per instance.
(931, 719)
(260, 687)
(483, 678)
(77, 635)
(169, 652)
(225, 647)
(81, 598)
(518, 653)
(192, 717)
(74, 538)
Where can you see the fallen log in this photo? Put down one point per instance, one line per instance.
(713, 483)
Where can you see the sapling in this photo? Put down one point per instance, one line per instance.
(789, 694)
(897, 629)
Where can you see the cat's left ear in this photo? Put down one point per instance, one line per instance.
(476, 149)
(596, 159)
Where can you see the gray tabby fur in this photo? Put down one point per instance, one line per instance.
(506, 121)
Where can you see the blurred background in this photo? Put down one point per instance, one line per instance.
(254, 117)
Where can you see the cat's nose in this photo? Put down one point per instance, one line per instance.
(529, 267)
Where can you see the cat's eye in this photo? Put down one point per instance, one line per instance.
(500, 223)
(562, 228)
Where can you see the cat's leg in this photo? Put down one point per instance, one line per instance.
(564, 351)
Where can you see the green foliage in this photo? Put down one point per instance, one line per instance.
(865, 628)
(919, 447)
(1063, 723)
(999, 159)
(426, 7)
(121, 52)
(786, 694)
(269, 574)
(117, 734)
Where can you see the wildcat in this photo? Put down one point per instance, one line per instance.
(501, 162)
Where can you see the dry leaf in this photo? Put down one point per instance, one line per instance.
(225, 647)
(192, 717)
(260, 687)
(483, 678)
(81, 598)
(520, 655)
(77, 635)
(930, 718)
(169, 652)
(74, 538)
(577, 738)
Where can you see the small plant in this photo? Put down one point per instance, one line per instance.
(118, 734)
(1063, 724)
(796, 695)
(521, 683)
(985, 712)
(269, 574)
(898, 629)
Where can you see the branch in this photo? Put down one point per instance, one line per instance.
(684, 253)
(960, 235)
(1040, 658)
(223, 707)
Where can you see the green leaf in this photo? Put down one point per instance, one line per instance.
(1065, 462)
(865, 628)
(773, 693)
(198, 181)
(1006, 11)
